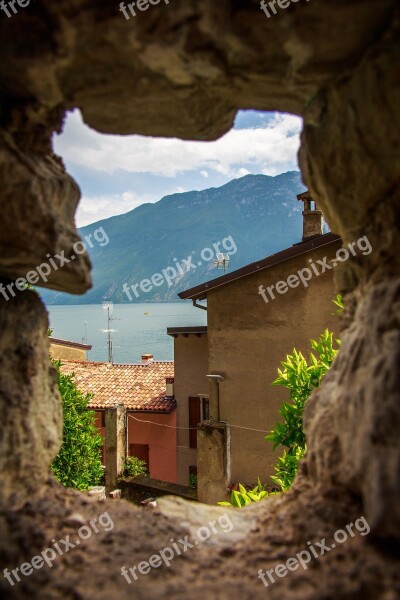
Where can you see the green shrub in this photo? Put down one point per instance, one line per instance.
(287, 466)
(300, 378)
(338, 301)
(78, 463)
(135, 466)
(244, 497)
(193, 481)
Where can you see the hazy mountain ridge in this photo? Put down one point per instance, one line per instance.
(259, 212)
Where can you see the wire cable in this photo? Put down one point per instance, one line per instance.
(192, 428)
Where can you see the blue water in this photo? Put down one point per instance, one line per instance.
(140, 328)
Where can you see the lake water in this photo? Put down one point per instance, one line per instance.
(140, 328)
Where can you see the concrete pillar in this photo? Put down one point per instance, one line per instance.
(213, 462)
(115, 445)
(213, 395)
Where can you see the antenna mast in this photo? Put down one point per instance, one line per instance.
(108, 306)
(222, 261)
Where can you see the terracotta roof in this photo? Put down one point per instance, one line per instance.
(140, 388)
(200, 291)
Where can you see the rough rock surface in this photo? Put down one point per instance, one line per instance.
(30, 403)
(360, 567)
(183, 69)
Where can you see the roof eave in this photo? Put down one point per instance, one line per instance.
(200, 292)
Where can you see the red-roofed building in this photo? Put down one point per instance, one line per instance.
(146, 392)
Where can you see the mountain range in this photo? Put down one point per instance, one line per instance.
(251, 218)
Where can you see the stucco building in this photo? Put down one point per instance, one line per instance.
(146, 391)
(67, 350)
(250, 330)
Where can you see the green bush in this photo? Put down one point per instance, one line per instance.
(300, 378)
(244, 497)
(338, 301)
(135, 466)
(193, 481)
(78, 463)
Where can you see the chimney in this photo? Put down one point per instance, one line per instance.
(312, 217)
(170, 387)
(147, 359)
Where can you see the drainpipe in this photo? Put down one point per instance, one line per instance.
(199, 305)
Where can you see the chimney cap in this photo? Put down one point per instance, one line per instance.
(147, 358)
(304, 196)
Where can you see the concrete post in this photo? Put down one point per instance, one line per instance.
(115, 445)
(214, 399)
(213, 462)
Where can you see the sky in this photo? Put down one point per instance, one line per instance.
(119, 173)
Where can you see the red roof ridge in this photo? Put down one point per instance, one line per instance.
(95, 362)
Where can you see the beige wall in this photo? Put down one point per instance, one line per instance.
(67, 352)
(248, 338)
(190, 357)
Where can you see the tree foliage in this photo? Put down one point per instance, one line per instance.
(78, 463)
(300, 377)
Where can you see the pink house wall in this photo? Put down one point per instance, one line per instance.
(162, 441)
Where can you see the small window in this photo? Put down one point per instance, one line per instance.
(205, 409)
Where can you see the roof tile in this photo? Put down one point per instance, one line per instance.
(138, 387)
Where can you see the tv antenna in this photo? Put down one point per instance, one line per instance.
(222, 261)
(85, 338)
(109, 307)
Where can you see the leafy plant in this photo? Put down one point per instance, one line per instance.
(244, 497)
(193, 481)
(300, 378)
(135, 466)
(78, 463)
(338, 301)
(287, 467)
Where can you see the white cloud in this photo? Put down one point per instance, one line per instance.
(271, 150)
(204, 174)
(95, 208)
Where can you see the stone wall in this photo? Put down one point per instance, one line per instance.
(183, 70)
